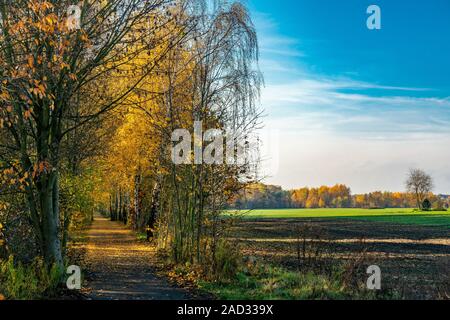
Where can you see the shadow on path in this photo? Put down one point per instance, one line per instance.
(120, 267)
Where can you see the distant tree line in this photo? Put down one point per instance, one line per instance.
(261, 196)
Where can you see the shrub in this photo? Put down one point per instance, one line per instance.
(426, 205)
(28, 282)
(226, 260)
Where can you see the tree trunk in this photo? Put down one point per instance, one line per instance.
(419, 203)
(48, 196)
(137, 201)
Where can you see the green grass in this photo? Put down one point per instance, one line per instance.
(400, 216)
(141, 236)
(276, 283)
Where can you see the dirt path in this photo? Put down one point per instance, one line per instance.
(120, 267)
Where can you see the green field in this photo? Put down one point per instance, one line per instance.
(401, 216)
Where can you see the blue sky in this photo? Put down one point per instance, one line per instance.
(354, 105)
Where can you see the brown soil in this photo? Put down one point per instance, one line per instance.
(415, 260)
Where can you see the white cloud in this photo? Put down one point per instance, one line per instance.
(271, 43)
(310, 101)
(327, 90)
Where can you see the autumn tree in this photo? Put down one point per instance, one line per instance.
(299, 197)
(221, 90)
(420, 184)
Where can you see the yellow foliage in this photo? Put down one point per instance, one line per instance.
(138, 143)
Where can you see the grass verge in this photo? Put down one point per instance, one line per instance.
(276, 283)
